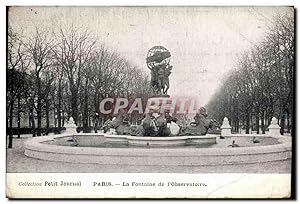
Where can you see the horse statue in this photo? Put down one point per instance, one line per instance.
(200, 125)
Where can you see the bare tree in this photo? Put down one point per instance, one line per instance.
(39, 50)
(262, 85)
(72, 52)
(69, 77)
(16, 67)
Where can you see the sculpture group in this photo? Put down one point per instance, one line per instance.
(158, 61)
(161, 124)
(158, 123)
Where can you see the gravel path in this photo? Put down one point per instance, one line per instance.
(19, 163)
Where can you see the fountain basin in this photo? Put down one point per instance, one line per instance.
(164, 141)
(157, 141)
(160, 141)
(117, 139)
(40, 148)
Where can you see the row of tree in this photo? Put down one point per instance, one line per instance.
(262, 84)
(64, 76)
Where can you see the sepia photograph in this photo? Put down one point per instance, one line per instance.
(161, 94)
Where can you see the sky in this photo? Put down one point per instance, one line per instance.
(205, 42)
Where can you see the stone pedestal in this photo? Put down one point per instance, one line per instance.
(71, 126)
(225, 128)
(274, 128)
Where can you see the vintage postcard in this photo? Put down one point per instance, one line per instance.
(150, 102)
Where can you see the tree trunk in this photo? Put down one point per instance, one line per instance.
(54, 113)
(257, 120)
(282, 121)
(85, 109)
(59, 105)
(96, 101)
(10, 138)
(96, 124)
(47, 116)
(33, 126)
(29, 119)
(263, 122)
(19, 115)
(39, 107)
(32, 120)
(288, 121)
(247, 122)
(237, 117)
(270, 115)
(63, 121)
(237, 125)
(74, 107)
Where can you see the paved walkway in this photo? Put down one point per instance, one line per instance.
(18, 162)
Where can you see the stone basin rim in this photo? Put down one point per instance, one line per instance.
(37, 143)
(129, 137)
(156, 156)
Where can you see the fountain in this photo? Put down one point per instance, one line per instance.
(159, 140)
(159, 127)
